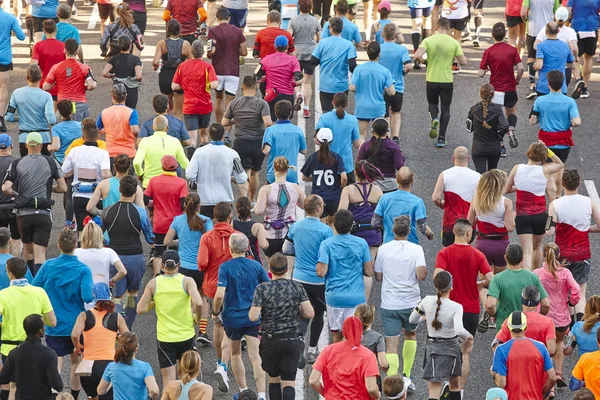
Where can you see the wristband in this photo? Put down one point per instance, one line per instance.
(550, 153)
(215, 314)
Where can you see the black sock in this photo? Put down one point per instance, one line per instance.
(36, 268)
(275, 391)
(289, 393)
(531, 72)
(75, 393)
(4, 394)
(579, 316)
(31, 266)
(416, 40)
(512, 120)
(425, 33)
(454, 396)
(189, 151)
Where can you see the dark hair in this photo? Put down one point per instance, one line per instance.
(341, 7)
(531, 294)
(340, 102)
(444, 23)
(373, 50)
(34, 74)
(128, 186)
(216, 132)
(124, 43)
(90, 132)
(441, 282)
(105, 305)
(243, 208)
(223, 14)
(336, 24)
(173, 27)
(278, 264)
(343, 221)
(311, 203)
(584, 394)
(555, 79)
(65, 109)
(514, 254)
(461, 227)
(71, 46)
(67, 241)
(365, 171)
(499, 31)
(87, 122)
(304, 6)
(222, 211)
(283, 110)
(17, 267)
(325, 156)
(248, 395)
(122, 164)
(119, 97)
(49, 26)
(380, 129)
(160, 103)
(191, 204)
(402, 225)
(128, 344)
(384, 13)
(4, 236)
(571, 179)
(33, 324)
(249, 82)
(393, 385)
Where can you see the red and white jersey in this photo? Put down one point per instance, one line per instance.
(531, 189)
(459, 188)
(573, 219)
(492, 224)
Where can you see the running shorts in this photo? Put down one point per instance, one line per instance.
(136, 268)
(62, 345)
(330, 208)
(394, 321)
(228, 83)
(478, 4)
(165, 79)
(6, 67)
(275, 246)
(279, 357)
(529, 42)
(238, 333)
(531, 224)
(563, 154)
(419, 12)
(394, 102)
(11, 223)
(35, 228)
(38, 23)
(238, 17)
(353, 8)
(587, 45)
(106, 11)
(90, 383)
(159, 244)
(306, 67)
(170, 353)
(512, 21)
(250, 152)
(580, 270)
(459, 24)
(208, 211)
(337, 316)
(193, 122)
(493, 250)
(470, 322)
(197, 276)
(140, 18)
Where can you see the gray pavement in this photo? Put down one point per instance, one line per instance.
(425, 160)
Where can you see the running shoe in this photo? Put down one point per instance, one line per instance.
(243, 343)
(492, 324)
(532, 93)
(298, 103)
(435, 126)
(192, 185)
(476, 41)
(445, 391)
(579, 86)
(222, 379)
(411, 384)
(512, 138)
(417, 65)
(484, 323)
(311, 357)
(502, 150)
(151, 256)
(72, 225)
(306, 113)
(73, 10)
(441, 143)
(203, 339)
(466, 36)
(88, 3)
(302, 360)
(227, 141)
(396, 140)
(584, 93)
(455, 68)
(2, 125)
(560, 381)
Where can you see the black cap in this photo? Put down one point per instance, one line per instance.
(170, 258)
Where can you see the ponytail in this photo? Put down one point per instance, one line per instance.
(243, 207)
(340, 102)
(591, 313)
(128, 345)
(436, 323)
(189, 366)
(373, 153)
(191, 204)
(487, 93)
(365, 171)
(443, 283)
(325, 156)
(550, 251)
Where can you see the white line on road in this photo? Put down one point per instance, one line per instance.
(592, 192)
(93, 18)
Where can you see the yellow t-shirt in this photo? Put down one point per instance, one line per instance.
(79, 142)
(587, 370)
(17, 303)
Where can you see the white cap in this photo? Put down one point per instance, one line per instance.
(325, 134)
(561, 14)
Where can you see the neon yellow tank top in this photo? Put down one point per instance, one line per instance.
(175, 322)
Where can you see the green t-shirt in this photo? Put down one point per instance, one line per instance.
(507, 286)
(441, 51)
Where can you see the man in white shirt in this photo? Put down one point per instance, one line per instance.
(400, 264)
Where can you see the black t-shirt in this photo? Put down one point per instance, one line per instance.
(487, 141)
(124, 225)
(325, 178)
(280, 302)
(124, 65)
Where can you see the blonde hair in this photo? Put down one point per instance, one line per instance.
(486, 93)
(537, 152)
(64, 396)
(189, 366)
(91, 237)
(125, 15)
(591, 314)
(489, 191)
(282, 164)
(366, 314)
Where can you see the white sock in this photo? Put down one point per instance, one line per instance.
(243, 389)
(462, 394)
(262, 395)
(312, 349)
(305, 107)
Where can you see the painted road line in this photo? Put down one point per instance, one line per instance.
(94, 17)
(592, 192)
(318, 110)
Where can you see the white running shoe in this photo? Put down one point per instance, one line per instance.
(222, 379)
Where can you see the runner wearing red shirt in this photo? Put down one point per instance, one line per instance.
(48, 53)
(188, 14)
(264, 44)
(516, 25)
(196, 77)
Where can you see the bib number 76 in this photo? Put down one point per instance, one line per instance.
(326, 175)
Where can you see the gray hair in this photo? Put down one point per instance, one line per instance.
(160, 123)
(402, 225)
(238, 243)
(197, 49)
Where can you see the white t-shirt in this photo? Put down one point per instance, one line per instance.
(99, 261)
(88, 161)
(565, 34)
(455, 9)
(398, 261)
(450, 315)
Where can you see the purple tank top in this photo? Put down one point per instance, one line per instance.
(363, 213)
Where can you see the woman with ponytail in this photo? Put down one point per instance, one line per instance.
(487, 122)
(188, 387)
(344, 128)
(584, 332)
(131, 379)
(325, 169)
(445, 336)
(254, 231)
(563, 292)
(123, 26)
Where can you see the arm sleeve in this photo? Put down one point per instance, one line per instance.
(543, 293)
(573, 110)
(99, 123)
(493, 289)
(146, 226)
(203, 253)
(381, 345)
(87, 286)
(440, 260)
(577, 372)
(325, 33)
(291, 47)
(371, 367)
(484, 266)
(144, 131)
(50, 78)
(302, 140)
(352, 64)
(258, 300)
(484, 62)
(222, 277)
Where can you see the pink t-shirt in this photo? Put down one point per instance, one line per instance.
(279, 69)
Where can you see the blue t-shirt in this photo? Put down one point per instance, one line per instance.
(47, 10)
(517, 351)
(585, 341)
(286, 140)
(556, 111)
(350, 31)
(344, 131)
(393, 56)
(67, 131)
(371, 79)
(8, 24)
(176, 128)
(379, 34)
(584, 15)
(128, 380)
(65, 31)
(344, 283)
(307, 236)
(69, 285)
(189, 240)
(398, 203)
(556, 55)
(420, 3)
(326, 180)
(334, 53)
(240, 276)
(36, 110)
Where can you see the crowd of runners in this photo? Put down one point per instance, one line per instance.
(236, 257)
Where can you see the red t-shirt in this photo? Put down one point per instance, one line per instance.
(513, 8)
(344, 371)
(265, 40)
(166, 191)
(186, 12)
(195, 77)
(465, 263)
(48, 53)
(279, 70)
(539, 327)
(501, 59)
(227, 40)
(69, 77)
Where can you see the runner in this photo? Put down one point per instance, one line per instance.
(65, 30)
(125, 68)
(254, 231)
(138, 9)
(66, 131)
(350, 31)
(264, 43)
(125, 25)
(175, 126)
(48, 53)
(372, 340)
(552, 54)
(188, 386)
(421, 20)
(321, 9)
(585, 371)
(441, 51)
(586, 26)
(516, 25)
(41, 12)
(385, 8)
(457, 12)
(190, 14)
(7, 204)
(583, 334)
(106, 9)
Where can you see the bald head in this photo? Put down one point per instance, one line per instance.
(552, 29)
(404, 177)
(160, 124)
(460, 157)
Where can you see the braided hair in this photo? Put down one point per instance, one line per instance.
(486, 93)
(443, 284)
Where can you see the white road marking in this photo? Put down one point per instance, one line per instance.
(94, 17)
(318, 110)
(592, 192)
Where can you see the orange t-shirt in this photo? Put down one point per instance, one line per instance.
(587, 370)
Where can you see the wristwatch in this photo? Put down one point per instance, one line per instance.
(216, 314)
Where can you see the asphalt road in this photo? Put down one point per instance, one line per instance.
(425, 161)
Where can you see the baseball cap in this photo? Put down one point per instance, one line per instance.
(118, 88)
(385, 4)
(496, 394)
(561, 14)
(5, 140)
(281, 41)
(169, 163)
(101, 292)
(517, 321)
(325, 134)
(34, 138)
(170, 258)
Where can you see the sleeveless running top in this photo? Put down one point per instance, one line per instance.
(573, 214)
(185, 389)
(492, 224)
(174, 321)
(363, 213)
(459, 188)
(99, 335)
(246, 228)
(531, 189)
(281, 209)
(113, 192)
(173, 57)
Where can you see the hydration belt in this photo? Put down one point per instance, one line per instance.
(84, 187)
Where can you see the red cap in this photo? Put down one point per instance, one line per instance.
(169, 163)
